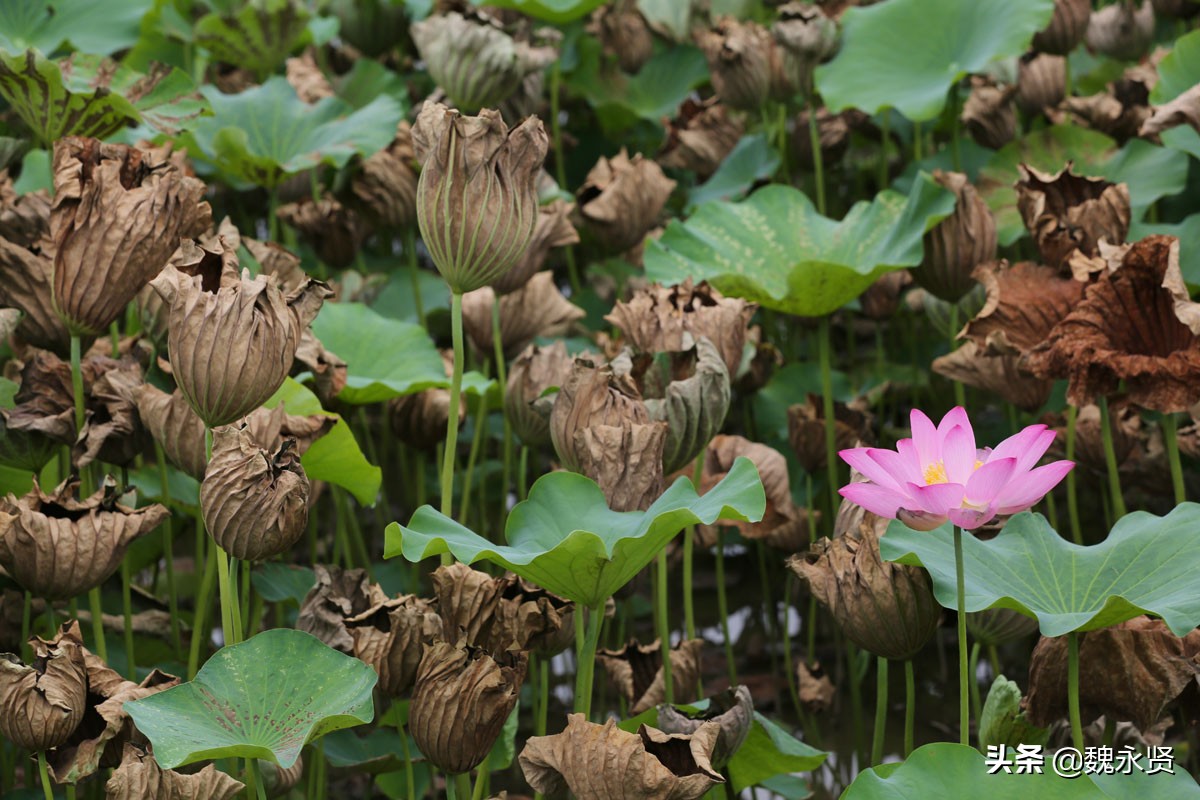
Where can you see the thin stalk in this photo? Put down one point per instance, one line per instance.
(1171, 439)
(456, 329)
(560, 162)
(723, 609)
(664, 625)
(229, 602)
(585, 651)
(481, 782)
(543, 689)
(522, 472)
(200, 618)
(409, 778)
(254, 781)
(955, 127)
(243, 621)
(1073, 689)
(1072, 497)
(884, 139)
(881, 699)
(689, 546)
(917, 144)
(97, 608)
(127, 614)
(781, 132)
(459, 786)
(164, 493)
(502, 377)
(974, 668)
(825, 347)
(964, 699)
(814, 141)
(414, 272)
(273, 213)
(44, 771)
(960, 391)
(473, 458)
(1110, 460)
(994, 658)
(94, 599)
(910, 706)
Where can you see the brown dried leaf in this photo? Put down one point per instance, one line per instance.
(957, 244)
(732, 710)
(537, 309)
(746, 64)
(1041, 82)
(534, 371)
(384, 190)
(806, 429)
(392, 636)
(338, 595)
(333, 230)
(988, 112)
(700, 137)
(1024, 303)
(636, 670)
(621, 198)
(625, 460)
(42, 703)
(1066, 28)
(1069, 215)
(1183, 110)
(999, 375)
(624, 34)
(140, 778)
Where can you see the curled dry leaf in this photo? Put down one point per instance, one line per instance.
(621, 198)
(535, 619)
(306, 78)
(1068, 215)
(881, 300)
(553, 229)
(1123, 30)
(636, 670)
(624, 34)
(461, 700)
(391, 637)
(536, 370)
(462, 160)
(277, 261)
(140, 778)
(42, 703)
(27, 266)
(957, 244)
(254, 501)
(1066, 28)
(1104, 341)
(58, 547)
(117, 216)
(329, 372)
(731, 710)
(384, 190)
(806, 429)
(333, 230)
(833, 135)
(592, 396)
(999, 375)
(469, 602)
(1041, 82)
(745, 62)
(112, 431)
(24, 218)
(816, 690)
(1183, 110)
(988, 112)
(700, 137)
(625, 460)
(537, 309)
(1024, 303)
(594, 760)
(1130, 672)
(338, 595)
(1121, 110)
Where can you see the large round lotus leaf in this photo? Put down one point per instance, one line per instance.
(1178, 72)
(88, 26)
(955, 770)
(553, 11)
(1147, 565)
(776, 250)
(905, 54)
(258, 37)
(264, 698)
(567, 540)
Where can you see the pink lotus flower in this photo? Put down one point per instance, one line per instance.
(939, 475)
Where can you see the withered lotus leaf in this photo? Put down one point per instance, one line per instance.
(477, 203)
(625, 460)
(594, 760)
(1066, 29)
(1024, 303)
(469, 602)
(535, 619)
(1183, 110)
(333, 230)
(1068, 214)
(700, 137)
(384, 190)
(118, 215)
(1123, 31)
(139, 777)
(745, 62)
(112, 431)
(887, 609)
(1129, 672)
(1130, 327)
(537, 309)
(732, 710)
(1000, 375)
(833, 134)
(27, 266)
(254, 501)
(278, 261)
(329, 372)
(232, 343)
(305, 76)
(338, 595)
(621, 198)
(553, 229)
(624, 34)
(636, 670)
(592, 395)
(24, 218)
(1041, 82)
(462, 698)
(1121, 110)
(391, 637)
(42, 703)
(806, 429)
(58, 547)
(881, 300)
(533, 372)
(988, 112)
(816, 690)
(655, 320)
(806, 36)
(959, 243)
(419, 419)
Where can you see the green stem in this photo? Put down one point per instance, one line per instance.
(200, 617)
(917, 144)
(664, 625)
(26, 620)
(472, 458)
(974, 670)
(955, 127)
(481, 781)
(560, 163)
(254, 781)
(97, 608)
(543, 688)
(910, 706)
(273, 213)
(44, 771)
(884, 141)
(964, 686)
(414, 272)
(1072, 497)
(456, 329)
(814, 140)
(881, 699)
(585, 650)
(77, 384)
(689, 547)
(409, 778)
(502, 377)
(1110, 460)
(458, 787)
(522, 473)
(1171, 439)
(229, 601)
(960, 391)
(994, 658)
(164, 493)
(723, 609)
(1073, 689)
(825, 347)
(781, 132)
(127, 613)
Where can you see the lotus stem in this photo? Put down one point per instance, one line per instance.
(522, 473)
(885, 132)
(585, 650)
(955, 128)
(814, 143)
(85, 489)
(960, 391)
(974, 668)
(96, 606)
(481, 782)
(456, 331)
(164, 494)
(723, 609)
(1072, 498)
(502, 377)
(689, 547)
(994, 658)
(464, 510)
(1171, 439)
(458, 787)
(26, 620)
(781, 132)
(409, 778)
(1110, 460)
(254, 782)
(200, 618)
(881, 699)
(917, 144)
(1073, 689)
(825, 347)
(664, 625)
(127, 614)
(770, 607)
(230, 610)
(273, 213)
(44, 771)
(543, 701)
(964, 698)
(910, 706)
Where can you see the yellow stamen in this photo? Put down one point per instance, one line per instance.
(936, 472)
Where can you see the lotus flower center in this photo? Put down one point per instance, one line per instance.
(936, 472)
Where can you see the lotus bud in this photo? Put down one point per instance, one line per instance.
(700, 137)
(232, 341)
(59, 547)
(623, 33)
(118, 215)
(1066, 29)
(384, 190)
(553, 229)
(996, 626)
(139, 777)
(1123, 30)
(593, 760)
(255, 501)
(391, 638)
(477, 196)
(885, 608)
(988, 113)
(338, 595)
(461, 700)
(1068, 215)
(745, 62)
(42, 703)
(1041, 82)
(473, 60)
(531, 374)
(731, 710)
(331, 229)
(806, 36)
(806, 429)
(537, 309)
(371, 29)
(636, 670)
(621, 198)
(957, 244)
(468, 601)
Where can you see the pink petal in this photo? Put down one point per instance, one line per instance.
(903, 468)
(958, 454)
(925, 438)
(989, 480)
(969, 518)
(1027, 446)
(1026, 490)
(862, 460)
(876, 499)
(937, 498)
(955, 418)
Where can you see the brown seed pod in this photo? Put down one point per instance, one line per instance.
(1123, 30)
(338, 595)
(141, 778)
(334, 231)
(621, 198)
(392, 636)
(254, 501)
(732, 710)
(1066, 29)
(1041, 82)
(988, 113)
(636, 670)
(42, 703)
(957, 244)
(806, 36)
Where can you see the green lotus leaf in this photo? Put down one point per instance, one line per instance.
(751, 160)
(278, 582)
(1003, 722)
(263, 135)
(86, 25)
(264, 698)
(906, 54)
(775, 249)
(1150, 171)
(259, 36)
(655, 92)
(336, 457)
(956, 770)
(1147, 565)
(565, 538)
(86, 95)
(1177, 72)
(553, 11)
